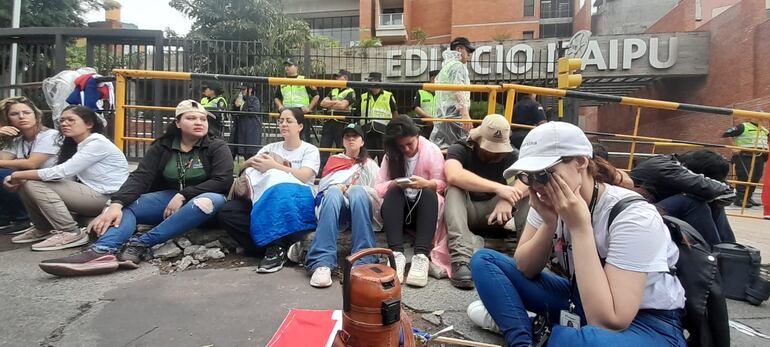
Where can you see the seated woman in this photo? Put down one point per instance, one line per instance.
(621, 291)
(411, 183)
(89, 168)
(260, 217)
(348, 199)
(180, 183)
(25, 144)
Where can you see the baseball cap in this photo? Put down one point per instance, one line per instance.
(354, 128)
(546, 144)
(433, 73)
(191, 106)
(493, 135)
(342, 72)
(289, 61)
(461, 41)
(374, 76)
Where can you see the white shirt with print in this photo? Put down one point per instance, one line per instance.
(306, 155)
(46, 142)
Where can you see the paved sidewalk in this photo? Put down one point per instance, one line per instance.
(226, 307)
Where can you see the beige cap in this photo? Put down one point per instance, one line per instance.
(191, 106)
(494, 134)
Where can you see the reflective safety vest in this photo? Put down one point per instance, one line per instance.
(427, 102)
(213, 104)
(749, 135)
(295, 96)
(380, 108)
(336, 95)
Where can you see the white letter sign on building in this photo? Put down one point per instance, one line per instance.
(675, 54)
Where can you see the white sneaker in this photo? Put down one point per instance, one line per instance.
(479, 315)
(400, 265)
(322, 277)
(294, 254)
(418, 273)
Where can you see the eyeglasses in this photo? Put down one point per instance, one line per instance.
(542, 177)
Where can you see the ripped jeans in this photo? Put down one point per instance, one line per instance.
(148, 209)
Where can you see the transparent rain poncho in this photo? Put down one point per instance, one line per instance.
(449, 103)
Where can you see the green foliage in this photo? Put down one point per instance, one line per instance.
(419, 35)
(50, 13)
(323, 42)
(76, 58)
(371, 42)
(245, 20)
(479, 109)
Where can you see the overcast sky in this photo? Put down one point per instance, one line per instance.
(148, 14)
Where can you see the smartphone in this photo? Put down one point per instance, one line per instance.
(403, 180)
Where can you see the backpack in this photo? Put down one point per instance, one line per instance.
(705, 317)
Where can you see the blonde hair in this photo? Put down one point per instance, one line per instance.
(5, 107)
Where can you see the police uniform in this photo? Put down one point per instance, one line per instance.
(745, 135)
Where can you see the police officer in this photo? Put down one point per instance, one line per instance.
(337, 102)
(424, 105)
(247, 128)
(376, 103)
(303, 97)
(744, 135)
(213, 101)
(526, 111)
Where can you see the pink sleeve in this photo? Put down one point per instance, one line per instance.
(434, 164)
(383, 180)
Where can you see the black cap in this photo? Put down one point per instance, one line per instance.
(342, 72)
(375, 76)
(433, 73)
(242, 86)
(461, 41)
(289, 61)
(354, 128)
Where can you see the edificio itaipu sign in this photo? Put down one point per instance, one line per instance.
(670, 54)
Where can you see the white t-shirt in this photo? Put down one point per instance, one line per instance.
(411, 163)
(44, 143)
(638, 241)
(306, 155)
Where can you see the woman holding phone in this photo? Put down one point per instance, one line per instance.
(411, 183)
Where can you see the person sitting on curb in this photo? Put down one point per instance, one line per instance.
(89, 168)
(179, 184)
(273, 204)
(411, 184)
(348, 199)
(25, 144)
(691, 187)
(619, 290)
(478, 197)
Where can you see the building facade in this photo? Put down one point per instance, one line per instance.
(397, 22)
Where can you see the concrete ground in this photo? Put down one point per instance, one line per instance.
(226, 307)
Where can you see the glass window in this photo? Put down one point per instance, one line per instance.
(529, 8)
(529, 35)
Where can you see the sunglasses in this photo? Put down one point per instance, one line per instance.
(542, 177)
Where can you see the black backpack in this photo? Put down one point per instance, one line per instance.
(705, 317)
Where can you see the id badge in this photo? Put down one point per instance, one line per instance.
(570, 320)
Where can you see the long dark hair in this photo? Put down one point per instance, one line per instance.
(400, 127)
(68, 145)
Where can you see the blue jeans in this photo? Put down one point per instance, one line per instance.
(507, 294)
(10, 203)
(148, 209)
(336, 216)
(709, 220)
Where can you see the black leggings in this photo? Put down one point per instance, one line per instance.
(395, 209)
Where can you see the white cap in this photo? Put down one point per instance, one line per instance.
(546, 144)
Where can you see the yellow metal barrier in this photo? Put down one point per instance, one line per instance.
(510, 91)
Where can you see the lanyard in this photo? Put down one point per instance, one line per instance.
(566, 246)
(181, 169)
(26, 152)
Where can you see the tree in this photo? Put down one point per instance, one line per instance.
(50, 13)
(262, 21)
